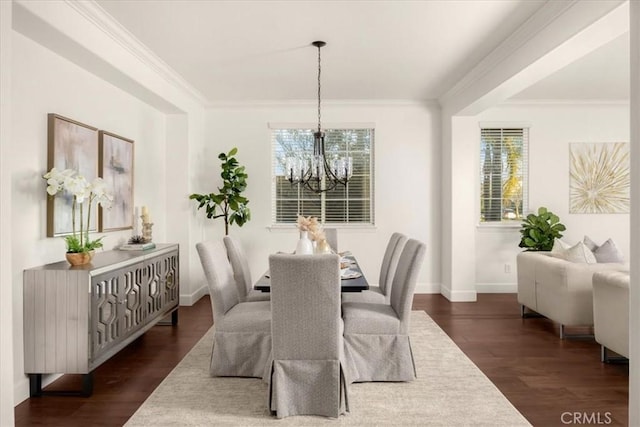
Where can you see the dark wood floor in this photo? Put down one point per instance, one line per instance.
(543, 377)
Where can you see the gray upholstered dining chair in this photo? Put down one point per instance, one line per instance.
(242, 330)
(331, 235)
(381, 293)
(241, 272)
(377, 335)
(306, 374)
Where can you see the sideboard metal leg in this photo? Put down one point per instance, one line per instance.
(87, 385)
(35, 387)
(174, 317)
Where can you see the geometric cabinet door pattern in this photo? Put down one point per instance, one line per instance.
(124, 300)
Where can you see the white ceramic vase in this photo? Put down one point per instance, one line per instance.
(304, 246)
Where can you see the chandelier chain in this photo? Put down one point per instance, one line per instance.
(319, 86)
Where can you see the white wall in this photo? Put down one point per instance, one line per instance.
(43, 82)
(553, 127)
(407, 183)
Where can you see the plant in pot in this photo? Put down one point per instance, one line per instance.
(539, 231)
(229, 203)
(79, 247)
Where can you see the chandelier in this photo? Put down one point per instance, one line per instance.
(317, 173)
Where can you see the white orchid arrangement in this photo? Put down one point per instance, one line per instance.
(82, 191)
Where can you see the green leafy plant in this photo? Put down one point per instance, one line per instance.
(539, 231)
(229, 202)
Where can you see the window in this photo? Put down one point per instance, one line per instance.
(504, 158)
(350, 204)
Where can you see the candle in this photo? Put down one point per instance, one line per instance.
(145, 211)
(136, 215)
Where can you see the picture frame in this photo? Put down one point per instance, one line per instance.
(115, 164)
(70, 145)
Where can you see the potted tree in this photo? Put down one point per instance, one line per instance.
(229, 203)
(539, 231)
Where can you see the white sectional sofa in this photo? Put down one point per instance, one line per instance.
(611, 312)
(558, 289)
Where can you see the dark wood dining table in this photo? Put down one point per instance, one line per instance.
(356, 284)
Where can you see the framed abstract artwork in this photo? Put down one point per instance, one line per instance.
(599, 178)
(71, 145)
(116, 168)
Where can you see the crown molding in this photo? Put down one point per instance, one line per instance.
(551, 102)
(554, 26)
(91, 11)
(540, 20)
(284, 103)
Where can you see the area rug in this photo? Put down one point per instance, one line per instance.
(450, 391)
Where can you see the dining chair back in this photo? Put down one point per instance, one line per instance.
(377, 334)
(306, 376)
(242, 330)
(331, 234)
(404, 281)
(382, 292)
(222, 286)
(242, 272)
(390, 262)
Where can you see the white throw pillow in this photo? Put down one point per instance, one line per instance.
(608, 252)
(559, 248)
(580, 253)
(590, 243)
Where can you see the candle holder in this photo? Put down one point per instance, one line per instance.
(146, 230)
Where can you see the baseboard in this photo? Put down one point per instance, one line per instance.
(427, 288)
(497, 288)
(192, 298)
(459, 296)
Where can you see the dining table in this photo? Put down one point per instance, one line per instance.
(351, 277)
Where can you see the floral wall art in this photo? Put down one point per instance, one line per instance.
(599, 178)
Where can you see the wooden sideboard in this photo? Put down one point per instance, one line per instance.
(75, 318)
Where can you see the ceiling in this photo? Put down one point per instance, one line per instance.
(236, 51)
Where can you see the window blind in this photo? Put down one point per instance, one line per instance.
(350, 204)
(504, 160)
